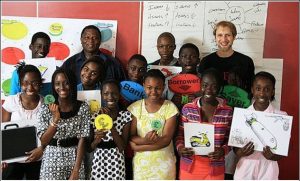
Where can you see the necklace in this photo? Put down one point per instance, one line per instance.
(28, 112)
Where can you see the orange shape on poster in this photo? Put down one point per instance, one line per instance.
(12, 55)
(59, 50)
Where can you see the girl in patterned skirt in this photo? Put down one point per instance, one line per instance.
(62, 127)
(108, 146)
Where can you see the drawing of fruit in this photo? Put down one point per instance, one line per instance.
(200, 141)
(262, 133)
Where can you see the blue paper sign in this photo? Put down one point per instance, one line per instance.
(132, 91)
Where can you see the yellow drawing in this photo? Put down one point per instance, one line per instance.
(103, 122)
(200, 141)
(94, 105)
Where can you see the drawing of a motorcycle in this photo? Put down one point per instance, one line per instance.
(200, 141)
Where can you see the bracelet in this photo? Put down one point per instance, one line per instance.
(52, 123)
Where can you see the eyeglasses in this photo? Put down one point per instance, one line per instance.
(33, 83)
(139, 69)
(165, 46)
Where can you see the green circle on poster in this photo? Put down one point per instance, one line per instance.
(6, 87)
(235, 96)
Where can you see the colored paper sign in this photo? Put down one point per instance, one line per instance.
(184, 84)
(235, 96)
(132, 91)
(200, 137)
(93, 98)
(263, 129)
(167, 70)
(103, 122)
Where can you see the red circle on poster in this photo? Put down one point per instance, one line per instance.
(59, 50)
(12, 55)
(105, 51)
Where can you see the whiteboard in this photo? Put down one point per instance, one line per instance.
(193, 22)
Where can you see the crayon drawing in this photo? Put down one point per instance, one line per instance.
(263, 129)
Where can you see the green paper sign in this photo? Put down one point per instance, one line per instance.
(49, 99)
(156, 125)
(235, 96)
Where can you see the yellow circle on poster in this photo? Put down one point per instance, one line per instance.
(103, 122)
(56, 29)
(14, 30)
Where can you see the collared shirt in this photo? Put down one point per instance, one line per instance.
(174, 62)
(81, 88)
(113, 67)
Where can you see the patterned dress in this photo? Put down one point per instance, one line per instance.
(159, 164)
(109, 163)
(58, 162)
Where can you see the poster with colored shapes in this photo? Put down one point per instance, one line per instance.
(200, 137)
(45, 66)
(16, 34)
(262, 128)
(92, 97)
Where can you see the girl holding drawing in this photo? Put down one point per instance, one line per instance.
(255, 165)
(22, 109)
(207, 109)
(152, 129)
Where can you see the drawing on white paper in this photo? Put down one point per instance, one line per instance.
(262, 133)
(200, 141)
(261, 128)
(42, 69)
(238, 138)
(284, 121)
(94, 105)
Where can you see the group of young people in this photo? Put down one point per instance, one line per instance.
(72, 147)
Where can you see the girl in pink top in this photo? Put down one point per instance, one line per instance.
(255, 165)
